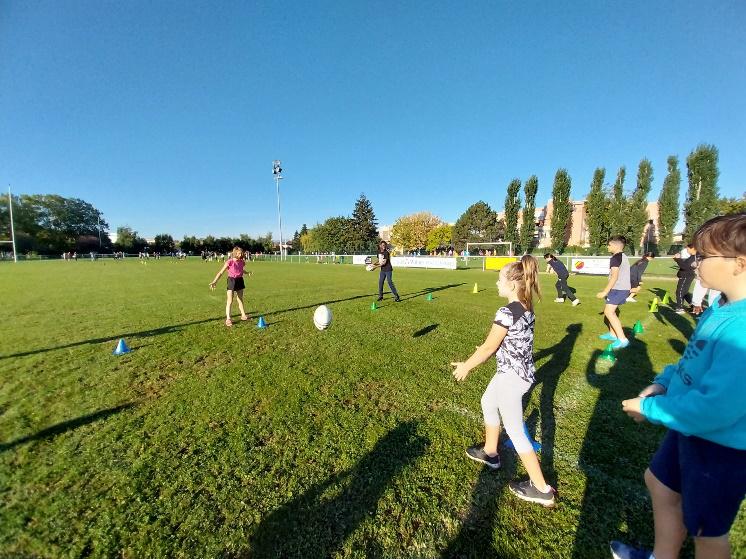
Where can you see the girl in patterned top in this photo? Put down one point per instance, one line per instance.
(236, 285)
(511, 340)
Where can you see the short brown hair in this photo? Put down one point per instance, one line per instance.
(725, 235)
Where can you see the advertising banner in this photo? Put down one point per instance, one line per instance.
(423, 262)
(497, 262)
(590, 265)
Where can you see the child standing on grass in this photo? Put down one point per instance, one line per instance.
(235, 267)
(511, 340)
(563, 290)
(616, 292)
(697, 478)
(635, 275)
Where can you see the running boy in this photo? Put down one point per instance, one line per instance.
(511, 340)
(616, 292)
(697, 478)
(563, 290)
(235, 267)
(635, 275)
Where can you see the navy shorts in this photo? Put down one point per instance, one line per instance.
(235, 284)
(711, 479)
(617, 296)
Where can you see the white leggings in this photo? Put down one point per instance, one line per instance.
(699, 294)
(503, 399)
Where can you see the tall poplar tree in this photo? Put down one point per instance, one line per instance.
(528, 223)
(637, 213)
(596, 207)
(512, 206)
(668, 205)
(561, 210)
(617, 219)
(702, 197)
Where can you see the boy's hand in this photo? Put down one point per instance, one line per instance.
(601, 294)
(460, 372)
(652, 390)
(633, 409)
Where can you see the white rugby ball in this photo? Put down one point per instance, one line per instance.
(322, 317)
(370, 267)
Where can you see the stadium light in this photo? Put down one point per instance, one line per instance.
(277, 172)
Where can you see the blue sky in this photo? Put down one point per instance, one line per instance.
(167, 115)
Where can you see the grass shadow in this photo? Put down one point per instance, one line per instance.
(424, 331)
(318, 522)
(63, 427)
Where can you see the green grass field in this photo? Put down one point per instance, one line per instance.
(290, 442)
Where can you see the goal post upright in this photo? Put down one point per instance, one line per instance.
(12, 240)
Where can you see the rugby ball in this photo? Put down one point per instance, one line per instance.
(322, 317)
(370, 267)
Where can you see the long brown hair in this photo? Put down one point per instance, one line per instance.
(525, 273)
(237, 253)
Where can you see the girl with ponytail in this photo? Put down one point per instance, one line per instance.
(511, 340)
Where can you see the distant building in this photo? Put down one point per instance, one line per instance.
(384, 232)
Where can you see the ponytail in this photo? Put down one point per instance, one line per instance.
(525, 274)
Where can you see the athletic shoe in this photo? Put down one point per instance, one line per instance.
(397, 300)
(620, 344)
(478, 454)
(528, 492)
(621, 550)
(559, 300)
(608, 337)
(680, 310)
(631, 300)
(576, 302)
(379, 299)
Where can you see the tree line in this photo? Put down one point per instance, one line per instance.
(52, 224)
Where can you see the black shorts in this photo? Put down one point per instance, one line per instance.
(235, 284)
(710, 478)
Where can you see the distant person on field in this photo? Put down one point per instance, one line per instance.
(686, 274)
(386, 271)
(511, 340)
(235, 267)
(563, 290)
(616, 292)
(697, 478)
(636, 271)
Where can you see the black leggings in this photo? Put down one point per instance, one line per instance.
(682, 290)
(563, 290)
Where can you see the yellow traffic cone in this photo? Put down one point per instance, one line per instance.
(654, 305)
(666, 299)
(476, 289)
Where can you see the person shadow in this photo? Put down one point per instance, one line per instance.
(614, 455)
(548, 376)
(318, 522)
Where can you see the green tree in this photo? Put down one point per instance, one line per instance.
(668, 205)
(561, 220)
(596, 207)
(618, 222)
(637, 210)
(528, 220)
(478, 224)
(364, 226)
(411, 232)
(128, 240)
(334, 235)
(440, 237)
(702, 198)
(732, 205)
(164, 243)
(512, 207)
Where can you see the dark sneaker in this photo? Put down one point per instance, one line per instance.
(621, 550)
(397, 300)
(478, 454)
(379, 299)
(527, 491)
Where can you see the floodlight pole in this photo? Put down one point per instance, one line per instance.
(277, 172)
(98, 226)
(12, 228)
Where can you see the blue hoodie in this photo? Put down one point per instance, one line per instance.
(706, 394)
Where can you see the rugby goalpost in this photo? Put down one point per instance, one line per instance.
(12, 240)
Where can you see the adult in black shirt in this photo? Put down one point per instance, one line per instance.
(562, 274)
(384, 263)
(636, 271)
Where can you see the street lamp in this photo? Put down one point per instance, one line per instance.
(277, 172)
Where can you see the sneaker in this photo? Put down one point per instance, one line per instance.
(576, 302)
(559, 300)
(621, 550)
(680, 310)
(631, 300)
(397, 300)
(608, 337)
(528, 492)
(620, 344)
(379, 299)
(478, 454)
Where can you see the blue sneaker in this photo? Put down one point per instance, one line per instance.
(621, 550)
(608, 337)
(620, 344)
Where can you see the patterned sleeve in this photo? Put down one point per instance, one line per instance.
(504, 317)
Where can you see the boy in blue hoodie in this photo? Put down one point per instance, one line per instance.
(697, 478)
